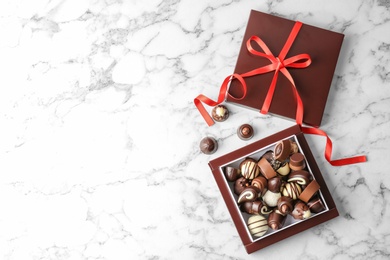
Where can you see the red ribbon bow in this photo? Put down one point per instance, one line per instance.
(281, 64)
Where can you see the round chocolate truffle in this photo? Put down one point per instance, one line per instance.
(274, 184)
(249, 169)
(245, 132)
(257, 225)
(231, 173)
(220, 113)
(297, 162)
(208, 145)
(292, 190)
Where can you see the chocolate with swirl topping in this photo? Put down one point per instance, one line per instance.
(248, 194)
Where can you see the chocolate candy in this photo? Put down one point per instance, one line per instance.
(208, 145)
(294, 147)
(315, 205)
(248, 194)
(309, 191)
(301, 211)
(245, 132)
(231, 173)
(301, 177)
(284, 169)
(266, 168)
(220, 113)
(249, 169)
(240, 184)
(260, 183)
(297, 162)
(282, 150)
(276, 220)
(271, 198)
(285, 205)
(274, 184)
(257, 225)
(292, 190)
(255, 207)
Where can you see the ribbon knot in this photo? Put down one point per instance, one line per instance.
(280, 64)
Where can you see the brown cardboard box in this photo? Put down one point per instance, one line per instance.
(256, 150)
(312, 83)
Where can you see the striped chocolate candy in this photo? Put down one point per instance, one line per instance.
(257, 225)
(292, 190)
(249, 169)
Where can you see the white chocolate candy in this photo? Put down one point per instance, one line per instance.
(257, 225)
(271, 198)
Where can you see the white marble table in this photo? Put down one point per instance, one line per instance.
(99, 138)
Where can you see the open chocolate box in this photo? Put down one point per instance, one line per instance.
(308, 199)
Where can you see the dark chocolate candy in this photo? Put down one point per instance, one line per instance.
(240, 184)
(248, 194)
(231, 173)
(276, 220)
(245, 132)
(285, 205)
(315, 205)
(208, 145)
(260, 183)
(301, 177)
(220, 113)
(274, 184)
(255, 207)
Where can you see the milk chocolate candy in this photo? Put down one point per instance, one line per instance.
(285, 205)
(257, 225)
(240, 184)
(294, 147)
(255, 207)
(297, 162)
(208, 145)
(276, 220)
(282, 150)
(292, 190)
(260, 183)
(309, 191)
(231, 173)
(248, 194)
(301, 177)
(315, 205)
(220, 113)
(249, 169)
(266, 169)
(274, 184)
(301, 211)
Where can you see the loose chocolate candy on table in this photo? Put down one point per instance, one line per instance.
(301, 211)
(301, 177)
(292, 190)
(240, 184)
(260, 183)
(315, 205)
(220, 113)
(249, 169)
(231, 173)
(276, 219)
(284, 169)
(266, 168)
(285, 205)
(309, 191)
(282, 150)
(255, 207)
(245, 132)
(248, 194)
(257, 225)
(297, 162)
(208, 145)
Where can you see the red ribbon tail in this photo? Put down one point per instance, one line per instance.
(328, 149)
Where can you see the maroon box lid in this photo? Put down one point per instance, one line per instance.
(313, 83)
(252, 150)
